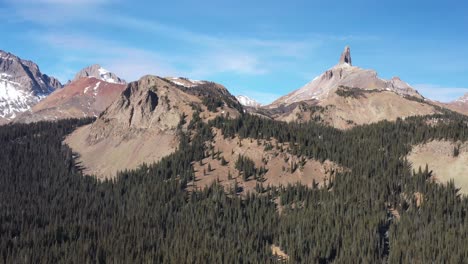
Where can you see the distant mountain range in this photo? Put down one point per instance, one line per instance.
(343, 96)
(246, 101)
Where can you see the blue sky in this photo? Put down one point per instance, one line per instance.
(262, 49)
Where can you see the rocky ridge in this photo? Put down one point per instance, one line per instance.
(100, 73)
(22, 85)
(346, 75)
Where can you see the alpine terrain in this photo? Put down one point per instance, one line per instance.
(345, 96)
(22, 85)
(141, 125)
(350, 168)
(460, 105)
(90, 93)
(246, 101)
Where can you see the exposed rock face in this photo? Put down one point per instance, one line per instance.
(346, 56)
(141, 125)
(345, 96)
(22, 85)
(98, 72)
(344, 74)
(149, 103)
(85, 97)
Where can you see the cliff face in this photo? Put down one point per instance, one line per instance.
(345, 96)
(141, 125)
(22, 85)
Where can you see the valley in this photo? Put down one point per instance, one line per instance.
(177, 170)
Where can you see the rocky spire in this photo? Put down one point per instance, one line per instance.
(346, 56)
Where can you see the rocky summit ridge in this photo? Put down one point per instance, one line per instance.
(22, 85)
(100, 73)
(344, 74)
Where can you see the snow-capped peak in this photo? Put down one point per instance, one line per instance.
(107, 76)
(22, 85)
(96, 71)
(463, 99)
(246, 101)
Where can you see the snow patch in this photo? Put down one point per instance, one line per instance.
(86, 89)
(186, 82)
(246, 101)
(105, 75)
(13, 100)
(95, 88)
(463, 99)
(181, 84)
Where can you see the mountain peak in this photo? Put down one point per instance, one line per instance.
(98, 72)
(22, 85)
(346, 57)
(463, 99)
(246, 101)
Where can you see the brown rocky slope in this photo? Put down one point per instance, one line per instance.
(345, 96)
(84, 97)
(141, 125)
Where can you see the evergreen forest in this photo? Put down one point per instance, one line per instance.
(51, 213)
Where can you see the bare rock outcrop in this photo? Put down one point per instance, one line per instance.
(346, 56)
(142, 124)
(345, 75)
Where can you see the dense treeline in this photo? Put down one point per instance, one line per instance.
(349, 219)
(51, 213)
(246, 166)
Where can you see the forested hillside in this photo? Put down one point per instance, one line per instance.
(380, 210)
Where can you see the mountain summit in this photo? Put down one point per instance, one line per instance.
(246, 101)
(345, 75)
(22, 85)
(345, 96)
(346, 56)
(100, 73)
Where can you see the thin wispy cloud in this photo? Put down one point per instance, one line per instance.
(129, 62)
(62, 2)
(53, 13)
(440, 93)
(195, 54)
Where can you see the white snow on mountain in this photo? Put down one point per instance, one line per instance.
(14, 100)
(95, 88)
(185, 82)
(106, 76)
(463, 99)
(98, 72)
(246, 101)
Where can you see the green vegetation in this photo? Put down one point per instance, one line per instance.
(51, 213)
(345, 91)
(213, 96)
(246, 166)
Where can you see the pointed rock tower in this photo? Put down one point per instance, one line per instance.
(346, 56)
(346, 75)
